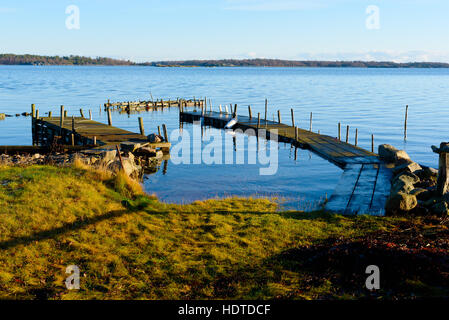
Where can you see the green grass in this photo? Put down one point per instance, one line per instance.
(131, 246)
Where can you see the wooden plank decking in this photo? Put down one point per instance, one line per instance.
(365, 183)
(106, 136)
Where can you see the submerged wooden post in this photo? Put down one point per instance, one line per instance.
(61, 120)
(158, 130)
(405, 122)
(109, 117)
(82, 113)
(219, 108)
(293, 117)
(310, 128)
(235, 110)
(356, 136)
(142, 129)
(443, 168)
(258, 121)
(372, 143)
(296, 133)
(65, 114)
(90, 114)
(50, 114)
(266, 109)
(249, 112)
(347, 134)
(279, 116)
(165, 132)
(226, 109)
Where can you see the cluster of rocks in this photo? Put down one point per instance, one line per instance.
(413, 187)
(4, 115)
(136, 159)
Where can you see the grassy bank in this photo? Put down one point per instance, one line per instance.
(131, 246)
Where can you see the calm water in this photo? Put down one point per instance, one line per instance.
(372, 100)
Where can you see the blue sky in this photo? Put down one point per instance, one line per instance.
(148, 30)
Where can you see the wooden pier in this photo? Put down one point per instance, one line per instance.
(365, 183)
(79, 131)
(133, 106)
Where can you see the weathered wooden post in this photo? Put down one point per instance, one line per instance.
(293, 117)
(405, 122)
(339, 131)
(266, 109)
(372, 143)
(72, 137)
(50, 114)
(81, 113)
(141, 127)
(109, 117)
(61, 120)
(95, 140)
(443, 168)
(37, 114)
(65, 114)
(249, 112)
(296, 133)
(73, 124)
(310, 128)
(347, 134)
(356, 136)
(90, 114)
(165, 132)
(219, 108)
(33, 110)
(159, 131)
(226, 109)
(258, 122)
(235, 111)
(279, 116)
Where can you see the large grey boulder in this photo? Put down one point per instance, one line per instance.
(129, 166)
(412, 167)
(400, 202)
(390, 154)
(107, 157)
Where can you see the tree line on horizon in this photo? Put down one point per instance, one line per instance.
(27, 59)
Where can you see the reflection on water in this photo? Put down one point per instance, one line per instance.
(301, 180)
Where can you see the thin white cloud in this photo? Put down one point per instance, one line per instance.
(272, 5)
(395, 56)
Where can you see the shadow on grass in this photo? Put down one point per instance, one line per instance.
(67, 227)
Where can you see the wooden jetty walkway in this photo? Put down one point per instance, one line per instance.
(365, 183)
(98, 136)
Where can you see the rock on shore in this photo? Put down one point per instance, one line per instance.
(413, 186)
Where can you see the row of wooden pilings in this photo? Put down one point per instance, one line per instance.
(233, 111)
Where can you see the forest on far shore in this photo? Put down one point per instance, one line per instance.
(28, 59)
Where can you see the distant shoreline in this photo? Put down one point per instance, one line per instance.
(13, 59)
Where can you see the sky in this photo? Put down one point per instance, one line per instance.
(154, 30)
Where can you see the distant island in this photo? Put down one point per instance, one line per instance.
(27, 59)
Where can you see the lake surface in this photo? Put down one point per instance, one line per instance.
(372, 100)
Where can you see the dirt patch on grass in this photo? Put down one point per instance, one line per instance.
(413, 261)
